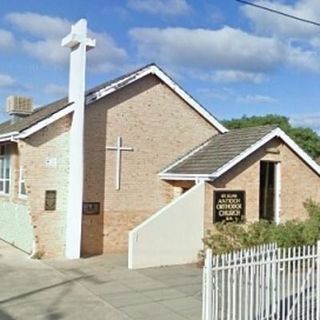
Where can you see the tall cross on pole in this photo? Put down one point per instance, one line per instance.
(118, 148)
(78, 42)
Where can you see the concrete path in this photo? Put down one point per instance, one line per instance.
(95, 288)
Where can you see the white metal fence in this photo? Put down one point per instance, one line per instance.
(263, 282)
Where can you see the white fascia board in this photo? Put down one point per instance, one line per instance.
(245, 154)
(301, 153)
(276, 133)
(169, 82)
(184, 177)
(47, 121)
(8, 136)
(221, 170)
(99, 94)
(187, 98)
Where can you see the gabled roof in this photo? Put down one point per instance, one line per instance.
(35, 117)
(54, 110)
(222, 152)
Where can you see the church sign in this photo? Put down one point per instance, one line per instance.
(229, 206)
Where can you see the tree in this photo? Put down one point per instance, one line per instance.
(306, 138)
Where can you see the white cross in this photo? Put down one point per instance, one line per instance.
(119, 148)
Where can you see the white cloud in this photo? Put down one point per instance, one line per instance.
(231, 76)
(225, 49)
(222, 94)
(255, 99)
(306, 120)
(6, 81)
(280, 25)
(304, 59)
(164, 7)
(107, 55)
(47, 51)
(48, 32)
(7, 40)
(55, 89)
(299, 35)
(39, 25)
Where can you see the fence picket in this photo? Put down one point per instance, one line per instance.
(239, 293)
(308, 283)
(246, 285)
(208, 291)
(313, 282)
(223, 286)
(299, 280)
(252, 270)
(262, 282)
(216, 287)
(294, 288)
(318, 281)
(303, 282)
(289, 297)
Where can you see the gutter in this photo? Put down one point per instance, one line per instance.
(9, 136)
(186, 177)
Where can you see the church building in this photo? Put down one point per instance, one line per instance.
(158, 170)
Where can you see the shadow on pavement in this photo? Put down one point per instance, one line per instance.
(5, 316)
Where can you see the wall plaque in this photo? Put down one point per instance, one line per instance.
(229, 206)
(50, 200)
(91, 208)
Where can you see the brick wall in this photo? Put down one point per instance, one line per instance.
(159, 126)
(298, 183)
(38, 155)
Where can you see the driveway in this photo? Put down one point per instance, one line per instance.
(95, 288)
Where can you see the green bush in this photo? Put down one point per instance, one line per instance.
(226, 237)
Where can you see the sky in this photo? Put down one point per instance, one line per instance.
(234, 59)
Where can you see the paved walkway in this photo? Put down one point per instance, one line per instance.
(95, 288)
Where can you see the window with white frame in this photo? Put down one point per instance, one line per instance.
(22, 184)
(4, 170)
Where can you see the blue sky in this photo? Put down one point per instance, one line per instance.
(234, 59)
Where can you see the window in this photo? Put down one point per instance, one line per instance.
(4, 170)
(22, 185)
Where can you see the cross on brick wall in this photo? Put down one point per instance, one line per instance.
(118, 148)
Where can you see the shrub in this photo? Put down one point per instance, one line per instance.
(226, 237)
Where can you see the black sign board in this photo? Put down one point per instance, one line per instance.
(229, 206)
(91, 208)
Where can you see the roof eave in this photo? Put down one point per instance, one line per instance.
(45, 122)
(185, 177)
(25, 133)
(7, 137)
(276, 133)
(154, 70)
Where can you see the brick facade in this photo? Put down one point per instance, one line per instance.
(36, 152)
(35, 225)
(298, 183)
(159, 126)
